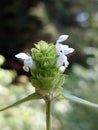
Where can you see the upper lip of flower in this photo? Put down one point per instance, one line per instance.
(62, 38)
(22, 56)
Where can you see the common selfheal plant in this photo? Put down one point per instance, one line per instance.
(47, 64)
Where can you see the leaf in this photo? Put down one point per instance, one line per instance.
(30, 97)
(76, 99)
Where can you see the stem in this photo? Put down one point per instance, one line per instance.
(48, 114)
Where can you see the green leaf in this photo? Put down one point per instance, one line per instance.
(30, 97)
(76, 99)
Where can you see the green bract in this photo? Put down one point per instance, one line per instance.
(46, 76)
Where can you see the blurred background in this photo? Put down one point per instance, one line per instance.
(24, 22)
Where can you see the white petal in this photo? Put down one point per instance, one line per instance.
(64, 49)
(22, 56)
(67, 51)
(61, 48)
(62, 69)
(62, 38)
(29, 62)
(26, 68)
(66, 63)
(62, 60)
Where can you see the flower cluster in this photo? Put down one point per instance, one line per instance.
(47, 64)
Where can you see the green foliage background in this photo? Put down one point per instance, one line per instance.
(24, 22)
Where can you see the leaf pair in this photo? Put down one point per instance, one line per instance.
(64, 96)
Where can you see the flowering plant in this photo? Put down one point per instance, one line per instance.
(47, 64)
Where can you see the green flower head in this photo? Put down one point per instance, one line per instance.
(47, 64)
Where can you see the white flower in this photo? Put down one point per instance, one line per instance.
(28, 62)
(63, 50)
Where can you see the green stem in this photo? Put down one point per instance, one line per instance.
(48, 114)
